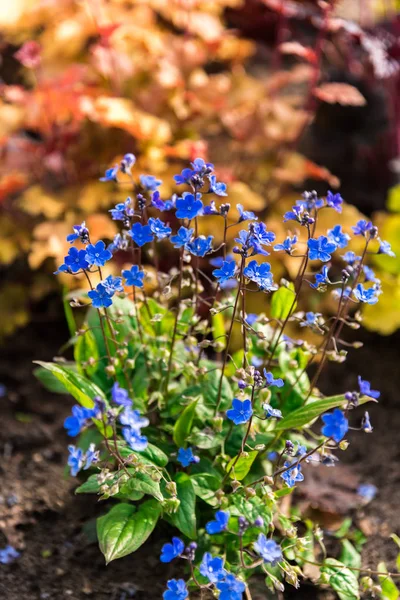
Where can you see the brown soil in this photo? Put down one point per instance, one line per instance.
(53, 529)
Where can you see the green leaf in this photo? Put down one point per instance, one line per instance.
(86, 348)
(183, 426)
(185, 517)
(205, 486)
(389, 588)
(242, 467)
(282, 302)
(155, 455)
(349, 555)
(218, 329)
(210, 387)
(49, 381)
(341, 579)
(122, 530)
(78, 386)
(396, 540)
(142, 482)
(92, 486)
(304, 415)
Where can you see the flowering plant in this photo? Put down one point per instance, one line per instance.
(176, 418)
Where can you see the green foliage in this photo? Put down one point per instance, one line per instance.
(124, 529)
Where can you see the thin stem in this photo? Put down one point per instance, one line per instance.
(174, 333)
(229, 339)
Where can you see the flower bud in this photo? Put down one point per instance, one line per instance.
(217, 424)
(171, 505)
(171, 488)
(110, 370)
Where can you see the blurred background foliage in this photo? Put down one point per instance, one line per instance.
(281, 95)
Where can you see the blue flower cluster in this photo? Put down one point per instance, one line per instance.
(211, 567)
(79, 419)
(131, 420)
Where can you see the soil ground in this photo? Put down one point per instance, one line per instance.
(53, 528)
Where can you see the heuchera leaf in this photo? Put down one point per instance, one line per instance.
(123, 529)
(78, 386)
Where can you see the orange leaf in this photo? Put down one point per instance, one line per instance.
(340, 93)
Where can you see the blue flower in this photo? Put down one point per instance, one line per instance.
(75, 460)
(141, 234)
(111, 174)
(311, 319)
(78, 420)
(217, 187)
(320, 249)
(200, 166)
(231, 588)
(185, 457)
(134, 439)
(134, 276)
(160, 229)
(287, 245)
(225, 272)
(251, 318)
(245, 215)
(272, 412)
(113, 284)
(336, 236)
(200, 246)
(8, 555)
(212, 567)
(350, 257)
(119, 243)
(310, 201)
(162, 205)
(367, 491)
(211, 209)
(370, 275)
(365, 295)
(127, 162)
(260, 274)
(296, 214)
(362, 227)
(132, 418)
(240, 411)
(270, 381)
(292, 475)
(366, 423)
(220, 523)
(81, 232)
(188, 207)
(336, 425)
(97, 254)
(101, 296)
(321, 279)
(334, 201)
(182, 238)
(365, 389)
(177, 590)
(122, 210)
(149, 182)
(171, 551)
(269, 550)
(74, 261)
(185, 177)
(261, 234)
(91, 457)
(385, 248)
(120, 396)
